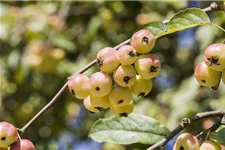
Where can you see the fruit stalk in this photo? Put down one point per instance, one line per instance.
(212, 7)
(185, 123)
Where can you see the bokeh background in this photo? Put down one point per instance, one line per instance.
(42, 43)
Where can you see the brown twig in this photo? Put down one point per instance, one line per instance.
(212, 7)
(186, 122)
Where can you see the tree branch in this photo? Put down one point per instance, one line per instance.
(186, 122)
(212, 7)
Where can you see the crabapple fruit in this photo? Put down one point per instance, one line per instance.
(207, 76)
(100, 84)
(88, 105)
(148, 66)
(122, 110)
(125, 76)
(223, 76)
(8, 134)
(210, 145)
(107, 60)
(78, 86)
(120, 95)
(126, 55)
(215, 56)
(141, 87)
(143, 41)
(186, 141)
(100, 102)
(22, 144)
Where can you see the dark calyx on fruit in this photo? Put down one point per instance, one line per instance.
(144, 40)
(120, 101)
(126, 79)
(153, 69)
(123, 115)
(99, 62)
(97, 88)
(214, 60)
(132, 54)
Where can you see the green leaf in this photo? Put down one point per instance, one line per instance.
(156, 28)
(135, 128)
(219, 135)
(184, 19)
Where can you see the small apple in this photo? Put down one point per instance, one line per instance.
(210, 145)
(186, 141)
(8, 134)
(22, 144)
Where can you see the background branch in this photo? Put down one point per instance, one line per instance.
(186, 122)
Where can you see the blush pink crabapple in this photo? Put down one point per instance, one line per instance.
(143, 41)
(88, 105)
(141, 87)
(100, 84)
(122, 111)
(126, 55)
(78, 86)
(22, 144)
(215, 56)
(148, 66)
(207, 76)
(107, 60)
(100, 102)
(125, 75)
(120, 96)
(8, 134)
(186, 141)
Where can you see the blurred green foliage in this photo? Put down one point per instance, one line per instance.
(42, 44)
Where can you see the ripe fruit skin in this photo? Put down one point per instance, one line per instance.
(88, 105)
(141, 87)
(107, 60)
(186, 141)
(223, 76)
(215, 56)
(126, 55)
(120, 96)
(78, 86)
(100, 84)
(148, 66)
(125, 76)
(143, 41)
(207, 76)
(22, 144)
(8, 134)
(210, 145)
(122, 110)
(100, 102)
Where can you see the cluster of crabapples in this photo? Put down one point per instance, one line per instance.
(210, 71)
(9, 139)
(187, 141)
(124, 72)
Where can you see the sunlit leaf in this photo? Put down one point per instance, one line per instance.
(135, 128)
(184, 19)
